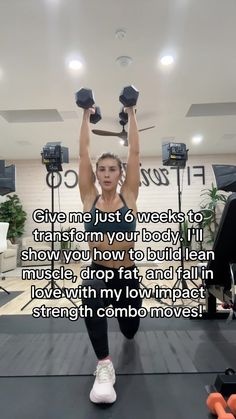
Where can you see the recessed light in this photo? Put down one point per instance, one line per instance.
(124, 60)
(120, 34)
(197, 139)
(167, 60)
(75, 65)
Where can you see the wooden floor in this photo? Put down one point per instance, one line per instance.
(14, 282)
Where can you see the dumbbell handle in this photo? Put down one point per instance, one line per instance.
(96, 116)
(221, 413)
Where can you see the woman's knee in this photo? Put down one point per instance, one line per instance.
(128, 334)
(129, 327)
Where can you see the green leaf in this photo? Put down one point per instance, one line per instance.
(11, 211)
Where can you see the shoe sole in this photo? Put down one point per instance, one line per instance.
(102, 399)
(111, 398)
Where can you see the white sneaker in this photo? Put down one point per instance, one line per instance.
(103, 390)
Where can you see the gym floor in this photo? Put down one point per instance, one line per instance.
(138, 396)
(47, 365)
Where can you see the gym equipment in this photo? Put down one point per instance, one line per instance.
(226, 383)
(217, 405)
(128, 98)
(84, 98)
(229, 371)
(53, 157)
(3, 246)
(221, 286)
(231, 403)
(123, 116)
(225, 177)
(7, 185)
(174, 154)
(7, 178)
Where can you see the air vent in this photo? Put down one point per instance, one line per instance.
(229, 137)
(212, 109)
(31, 115)
(69, 115)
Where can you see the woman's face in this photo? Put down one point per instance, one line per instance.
(108, 173)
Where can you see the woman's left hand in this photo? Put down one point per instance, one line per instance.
(130, 110)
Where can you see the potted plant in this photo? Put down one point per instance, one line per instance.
(209, 207)
(11, 211)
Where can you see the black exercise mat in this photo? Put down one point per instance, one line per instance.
(5, 298)
(160, 346)
(140, 396)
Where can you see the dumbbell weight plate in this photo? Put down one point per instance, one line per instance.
(84, 98)
(95, 117)
(123, 116)
(129, 96)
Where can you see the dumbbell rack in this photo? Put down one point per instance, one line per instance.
(224, 383)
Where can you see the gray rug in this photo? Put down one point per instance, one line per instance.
(160, 346)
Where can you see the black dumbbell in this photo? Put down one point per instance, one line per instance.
(129, 96)
(123, 116)
(84, 99)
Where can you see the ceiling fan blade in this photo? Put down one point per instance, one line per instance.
(144, 129)
(122, 134)
(105, 133)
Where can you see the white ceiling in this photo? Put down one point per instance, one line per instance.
(38, 37)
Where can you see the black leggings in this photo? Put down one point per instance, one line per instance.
(97, 326)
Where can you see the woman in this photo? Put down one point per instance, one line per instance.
(109, 173)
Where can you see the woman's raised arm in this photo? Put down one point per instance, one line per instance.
(86, 175)
(132, 179)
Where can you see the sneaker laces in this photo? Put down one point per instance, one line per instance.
(103, 373)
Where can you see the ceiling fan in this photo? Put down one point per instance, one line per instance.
(122, 134)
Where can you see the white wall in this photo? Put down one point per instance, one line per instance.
(34, 192)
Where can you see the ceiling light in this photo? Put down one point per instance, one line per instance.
(197, 139)
(124, 61)
(167, 60)
(122, 142)
(120, 34)
(75, 64)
